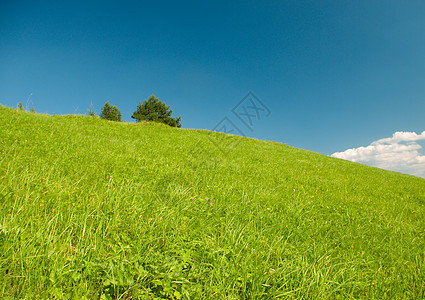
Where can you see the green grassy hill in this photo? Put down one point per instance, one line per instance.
(97, 209)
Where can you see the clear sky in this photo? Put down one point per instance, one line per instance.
(333, 75)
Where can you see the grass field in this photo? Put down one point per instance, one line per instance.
(101, 210)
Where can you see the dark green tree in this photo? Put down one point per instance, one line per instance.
(20, 106)
(155, 110)
(110, 112)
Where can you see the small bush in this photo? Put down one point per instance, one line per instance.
(110, 112)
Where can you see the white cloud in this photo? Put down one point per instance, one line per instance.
(397, 153)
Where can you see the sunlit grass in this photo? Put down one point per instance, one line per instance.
(97, 209)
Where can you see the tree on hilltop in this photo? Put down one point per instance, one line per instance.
(110, 112)
(155, 110)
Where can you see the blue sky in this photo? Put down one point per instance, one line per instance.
(334, 75)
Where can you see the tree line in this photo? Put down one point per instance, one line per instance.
(151, 109)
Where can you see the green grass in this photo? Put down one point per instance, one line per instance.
(99, 210)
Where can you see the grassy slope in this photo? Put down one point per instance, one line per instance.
(90, 207)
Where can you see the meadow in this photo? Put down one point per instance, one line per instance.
(94, 209)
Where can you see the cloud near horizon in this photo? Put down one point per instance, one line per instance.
(398, 153)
